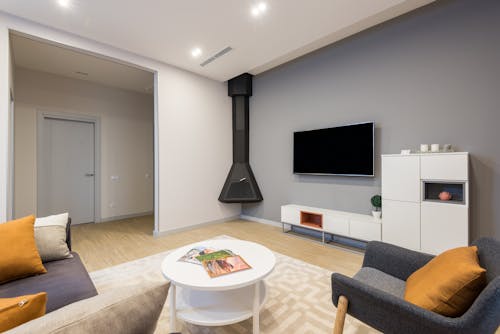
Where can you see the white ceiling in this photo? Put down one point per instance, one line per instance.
(40, 56)
(167, 30)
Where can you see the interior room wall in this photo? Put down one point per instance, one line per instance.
(4, 119)
(193, 134)
(431, 76)
(126, 120)
(195, 149)
(10, 149)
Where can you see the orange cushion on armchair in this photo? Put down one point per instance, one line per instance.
(449, 283)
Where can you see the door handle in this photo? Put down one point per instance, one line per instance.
(89, 174)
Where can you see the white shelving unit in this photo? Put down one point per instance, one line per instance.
(347, 224)
(413, 215)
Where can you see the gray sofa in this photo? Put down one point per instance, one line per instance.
(65, 282)
(375, 293)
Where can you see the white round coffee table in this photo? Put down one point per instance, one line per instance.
(198, 299)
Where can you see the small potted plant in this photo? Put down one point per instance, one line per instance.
(377, 205)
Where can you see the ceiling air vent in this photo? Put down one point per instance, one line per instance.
(217, 55)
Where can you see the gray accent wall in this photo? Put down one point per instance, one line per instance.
(431, 76)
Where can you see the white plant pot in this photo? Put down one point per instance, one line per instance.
(377, 214)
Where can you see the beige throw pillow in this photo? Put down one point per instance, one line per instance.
(128, 310)
(51, 243)
(59, 220)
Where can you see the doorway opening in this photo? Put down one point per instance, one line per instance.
(84, 135)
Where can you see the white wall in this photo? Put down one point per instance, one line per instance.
(195, 148)
(126, 120)
(5, 83)
(10, 149)
(193, 134)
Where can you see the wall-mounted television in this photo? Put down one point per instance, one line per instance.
(343, 150)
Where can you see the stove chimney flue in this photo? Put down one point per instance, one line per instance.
(240, 185)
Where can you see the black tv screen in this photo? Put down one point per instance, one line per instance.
(343, 150)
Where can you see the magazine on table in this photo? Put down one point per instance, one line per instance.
(219, 254)
(215, 262)
(191, 255)
(226, 265)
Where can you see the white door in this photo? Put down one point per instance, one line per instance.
(66, 172)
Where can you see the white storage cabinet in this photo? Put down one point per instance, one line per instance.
(413, 216)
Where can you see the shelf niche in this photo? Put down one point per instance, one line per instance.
(311, 219)
(432, 189)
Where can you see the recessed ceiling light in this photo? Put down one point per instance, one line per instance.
(259, 9)
(196, 52)
(63, 3)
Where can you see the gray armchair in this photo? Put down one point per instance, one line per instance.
(375, 294)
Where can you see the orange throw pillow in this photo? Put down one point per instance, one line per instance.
(449, 283)
(16, 311)
(18, 253)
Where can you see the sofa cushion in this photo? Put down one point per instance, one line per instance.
(53, 220)
(127, 310)
(65, 282)
(449, 283)
(16, 311)
(382, 281)
(51, 243)
(18, 253)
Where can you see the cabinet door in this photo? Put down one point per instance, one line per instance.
(290, 215)
(336, 224)
(364, 230)
(452, 167)
(401, 224)
(443, 226)
(401, 178)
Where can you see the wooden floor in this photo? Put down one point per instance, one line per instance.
(106, 244)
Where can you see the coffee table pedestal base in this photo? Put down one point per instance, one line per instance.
(217, 308)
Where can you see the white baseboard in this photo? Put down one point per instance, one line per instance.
(133, 215)
(261, 220)
(191, 227)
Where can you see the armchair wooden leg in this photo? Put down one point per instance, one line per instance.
(340, 316)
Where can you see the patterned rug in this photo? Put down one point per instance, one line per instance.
(299, 299)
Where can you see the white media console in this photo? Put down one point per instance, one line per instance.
(341, 223)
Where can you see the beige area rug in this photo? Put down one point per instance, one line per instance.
(299, 299)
